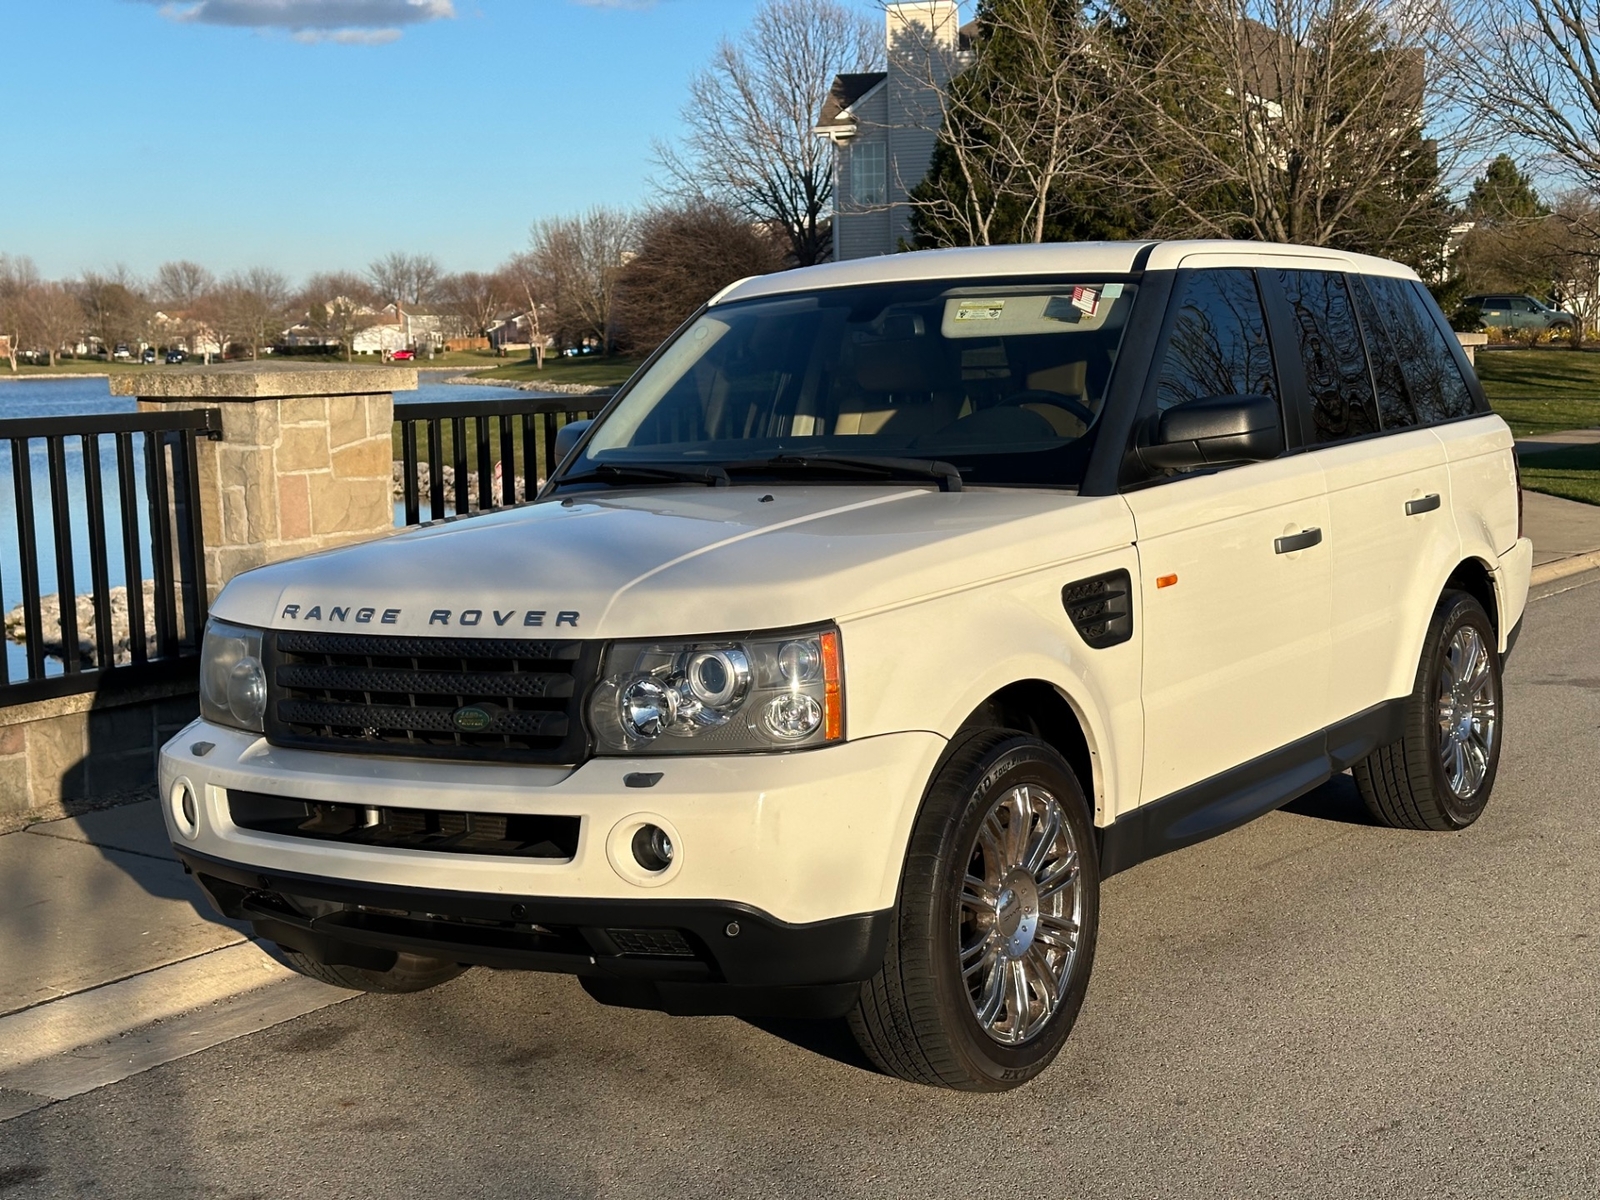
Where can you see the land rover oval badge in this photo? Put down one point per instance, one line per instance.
(470, 720)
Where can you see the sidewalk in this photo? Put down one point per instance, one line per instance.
(112, 962)
(1565, 533)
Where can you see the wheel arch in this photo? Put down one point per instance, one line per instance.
(1477, 579)
(1041, 709)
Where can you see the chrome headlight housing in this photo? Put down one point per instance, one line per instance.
(233, 683)
(762, 692)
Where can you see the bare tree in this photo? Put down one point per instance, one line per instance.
(1538, 77)
(580, 258)
(472, 300)
(252, 307)
(405, 279)
(53, 318)
(1315, 121)
(750, 114)
(337, 305)
(180, 285)
(529, 285)
(686, 255)
(116, 308)
(1028, 114)
(18, 277)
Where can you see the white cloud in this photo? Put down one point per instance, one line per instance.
(348, 22)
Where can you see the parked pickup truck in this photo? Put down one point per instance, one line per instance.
(890, 608)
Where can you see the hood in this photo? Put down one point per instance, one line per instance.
(678, 561)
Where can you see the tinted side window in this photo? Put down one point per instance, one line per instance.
(1218, 345)
(1437, 388)
(1394, 405)
(1338, 383)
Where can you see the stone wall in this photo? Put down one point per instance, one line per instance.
(59, 756)
(304, 464)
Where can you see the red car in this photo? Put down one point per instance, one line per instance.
(404, 355)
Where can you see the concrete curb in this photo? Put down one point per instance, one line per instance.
(1562, 567)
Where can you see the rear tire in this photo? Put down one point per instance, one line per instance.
(994, 935)
(1440, 773)
(410, 973)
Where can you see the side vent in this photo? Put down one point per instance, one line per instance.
(1101, 608)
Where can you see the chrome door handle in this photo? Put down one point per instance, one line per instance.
(1426, 504)
(1297, 541)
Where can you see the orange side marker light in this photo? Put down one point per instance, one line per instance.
(832, 695)
(1166, 580)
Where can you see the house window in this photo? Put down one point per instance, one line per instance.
(867, 185)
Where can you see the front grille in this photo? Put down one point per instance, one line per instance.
(510, 834)
(405, 695)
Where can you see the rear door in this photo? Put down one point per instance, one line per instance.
(1391, 536)
(1235, 620)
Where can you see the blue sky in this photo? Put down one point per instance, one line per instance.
(140, 131)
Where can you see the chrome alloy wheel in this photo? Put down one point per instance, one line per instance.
(1468, 712)
(1021, 910)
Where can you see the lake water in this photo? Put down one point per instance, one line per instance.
(21, 399)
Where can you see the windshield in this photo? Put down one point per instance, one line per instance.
(1004, 382)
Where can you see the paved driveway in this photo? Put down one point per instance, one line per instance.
(1309, 1006)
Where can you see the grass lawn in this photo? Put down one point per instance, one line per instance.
(591, 372)
(71, 366)
(1542, 391)
(1572, 474)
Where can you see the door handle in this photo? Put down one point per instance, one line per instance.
(1297, 541)
(1425, 504)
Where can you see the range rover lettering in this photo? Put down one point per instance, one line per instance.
(889, 609)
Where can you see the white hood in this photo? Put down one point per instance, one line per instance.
(675, 562)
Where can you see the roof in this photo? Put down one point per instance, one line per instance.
(1055, 258)
(846, 91)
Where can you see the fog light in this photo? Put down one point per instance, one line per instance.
(652, 848)
(185, 809)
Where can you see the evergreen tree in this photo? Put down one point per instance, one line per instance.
(1503, 194)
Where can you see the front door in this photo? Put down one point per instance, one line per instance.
(1234, 572)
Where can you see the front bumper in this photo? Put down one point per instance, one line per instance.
(684, 957)
(803, 851)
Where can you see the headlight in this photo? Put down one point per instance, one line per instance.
(233, 683)
(767, 692)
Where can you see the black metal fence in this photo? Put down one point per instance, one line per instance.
(110, 497)
(469, 455)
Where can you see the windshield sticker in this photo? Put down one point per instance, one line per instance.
(1086, 300)
(1111, 291)
(980, 310)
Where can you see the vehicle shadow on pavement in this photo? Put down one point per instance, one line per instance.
(827, 1038)
(1337, 800)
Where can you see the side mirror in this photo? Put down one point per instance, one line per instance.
(1212, 432)
(568, 436)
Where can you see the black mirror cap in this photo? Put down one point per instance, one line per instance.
(1213, 432)
(568, 436)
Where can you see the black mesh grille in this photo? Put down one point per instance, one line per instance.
(1102, 608)
(406, 695)
(516, 834)
(652, 943)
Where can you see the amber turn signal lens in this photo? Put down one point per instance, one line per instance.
(832, 696)
(1166, 580)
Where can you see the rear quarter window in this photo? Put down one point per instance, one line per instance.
(1433, 376)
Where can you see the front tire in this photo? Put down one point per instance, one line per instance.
(1439, 775)
(994, 937)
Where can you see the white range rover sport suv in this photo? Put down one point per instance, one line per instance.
(887, 610)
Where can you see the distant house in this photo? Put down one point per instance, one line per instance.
(183, 329)
(884, 126)
(397, 328)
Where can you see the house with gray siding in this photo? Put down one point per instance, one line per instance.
(884, 126)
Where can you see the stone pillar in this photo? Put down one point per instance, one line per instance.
(1470, 343)
(305, 457)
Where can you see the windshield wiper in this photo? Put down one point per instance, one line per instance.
(860, 464)
(709, 473)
